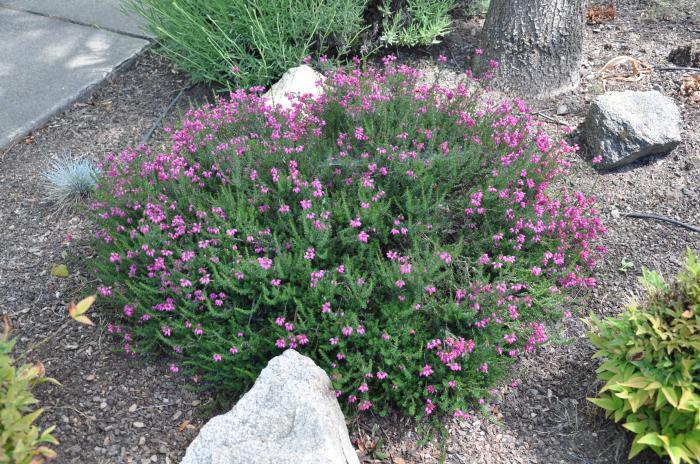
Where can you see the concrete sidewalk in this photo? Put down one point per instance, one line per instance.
(53, 52)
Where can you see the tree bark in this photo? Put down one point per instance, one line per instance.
(538, 44)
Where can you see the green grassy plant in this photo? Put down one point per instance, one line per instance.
(249, 42)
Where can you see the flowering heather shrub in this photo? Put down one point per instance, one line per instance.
(407, 237)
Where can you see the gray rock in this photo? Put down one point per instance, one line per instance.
(290, 415)
(562, 109)
(625, 126)
(294, 82)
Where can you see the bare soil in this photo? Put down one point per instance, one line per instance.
(114, 409)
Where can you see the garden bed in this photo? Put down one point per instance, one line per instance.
(114, 410)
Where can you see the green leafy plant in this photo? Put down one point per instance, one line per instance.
(249, 42)
(418, 22)
(652, 366)
(21, 442)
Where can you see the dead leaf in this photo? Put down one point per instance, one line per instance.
(690, 88)
(77, 311)
(624, 68)
(7, 323)
(687, 314)
(398, 460)
(59, 270)
(598, 14)
(185, 425)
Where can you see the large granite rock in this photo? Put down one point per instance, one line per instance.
(625, 126)
(290, 416)
(295, 82)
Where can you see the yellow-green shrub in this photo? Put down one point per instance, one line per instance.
(652, 366)
(21, 442)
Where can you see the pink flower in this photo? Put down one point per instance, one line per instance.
(364, 405)
(363, 236)
(305, 204)
(276, 282)
(406, 268)
(426, 371)
(265, 262)
(430, 290)
(381, 375)
(400, 283)
(536, 270)
(326, 307)
(363, 388)
(280, 343)
(347, 331)
(174, 369)
(310, 253)
(104, 291)
(216, 357)
(446, 257)
(355, 223)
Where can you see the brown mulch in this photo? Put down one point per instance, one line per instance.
(112, 409)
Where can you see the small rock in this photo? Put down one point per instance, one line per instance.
(177, 415)
(132, 408)
(562, 109)
(290, 415)
(296, 81)
(139, 425)
(615, 213)
(626, 126)
(142, 441)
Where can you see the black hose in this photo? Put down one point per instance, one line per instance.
(663, 218)
(155, 125)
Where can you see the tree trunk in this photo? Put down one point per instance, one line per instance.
(538, 44)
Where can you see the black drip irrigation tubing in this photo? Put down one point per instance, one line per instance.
(155, 125)
(663, 218)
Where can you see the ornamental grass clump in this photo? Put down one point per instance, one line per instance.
(410, 238)
(652, 366)
(70, 180)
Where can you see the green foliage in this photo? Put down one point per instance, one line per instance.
(652, 366)
(21, 442)
(418, 22)
(249, 42)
